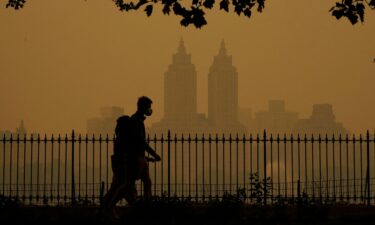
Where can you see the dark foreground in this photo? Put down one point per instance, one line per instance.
(192, 215)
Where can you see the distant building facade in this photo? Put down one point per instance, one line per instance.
(322, 121)
(223, 94)
(105, 124)
(180, 97)
(20, 131)
(275, 120)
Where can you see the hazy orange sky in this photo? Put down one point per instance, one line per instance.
(61, 60)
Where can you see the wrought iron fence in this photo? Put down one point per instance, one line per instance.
(262, 169)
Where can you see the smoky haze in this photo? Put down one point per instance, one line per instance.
(62, 61)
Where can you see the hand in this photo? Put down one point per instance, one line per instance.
(157, 158)
(149, 159)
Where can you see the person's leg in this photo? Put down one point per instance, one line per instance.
(130, 192)
(110, 195)
(145, 177)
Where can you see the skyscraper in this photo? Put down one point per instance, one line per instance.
(223, 91)
(180, 87)
(180, 97)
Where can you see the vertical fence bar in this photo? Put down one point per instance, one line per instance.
(209, 165)
(196, 167)
(189, 164)
(361, 164)
(58, 167)
(217, 165)
(52, 164)
(86, 167)
(182, 166)
(257, 141)
(285, 168)
(298, 159)
(162, 165)
(271, 162)
(340, 156)
(368, 168)
(347, 168)
(230, 163)
(292, 164)
(327, 172)
(24, 168)
(73, 197)
(66, 170)
(203, 189)
(237, 164)
(169, 163)
(100, 160)
(265, 166)
(278, 166)
(312, 167)
(155, 148)
(251, 164)
(107, 159)
(223, 162)
(244, 161)
(38, 164)
(17, 164)
(4, 160)
(175, 164)
(333, 166)
(45, 170)
(306, 179)
(354, 170)
(93, 169)
(79, 166)
(320, 168)
(10, 164)
(31, 168)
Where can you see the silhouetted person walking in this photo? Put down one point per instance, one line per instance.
(129, 162)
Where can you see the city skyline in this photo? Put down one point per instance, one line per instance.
(57, 73)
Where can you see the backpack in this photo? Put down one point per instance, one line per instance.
(122, 131)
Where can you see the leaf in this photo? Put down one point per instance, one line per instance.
(338, 14)
(353, 18)
(166, 9)
(361, 11)
(148, 10)
(185, 22)
(208, 3)
(247, 12)
(224, 5)
(177, 9)
(238, 9)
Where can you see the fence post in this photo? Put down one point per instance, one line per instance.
(368, 168)
(73, 185)
(265, 167)
(169, 163)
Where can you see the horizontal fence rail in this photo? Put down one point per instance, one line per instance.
(260, 169)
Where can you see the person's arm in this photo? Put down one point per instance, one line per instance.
(139, 138)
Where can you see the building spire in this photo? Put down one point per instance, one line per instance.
(181, 47)
(223, 50)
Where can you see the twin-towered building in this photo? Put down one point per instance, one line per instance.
(180, 97)
(224, 114)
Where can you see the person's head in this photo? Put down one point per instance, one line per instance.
(144, 105)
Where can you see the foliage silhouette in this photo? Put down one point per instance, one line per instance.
(260, 188)
(193, 13)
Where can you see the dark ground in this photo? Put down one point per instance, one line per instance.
(189, 215)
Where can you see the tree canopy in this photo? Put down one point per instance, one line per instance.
(193, 11)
